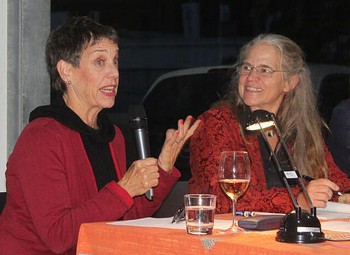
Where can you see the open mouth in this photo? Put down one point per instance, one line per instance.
(109, 90)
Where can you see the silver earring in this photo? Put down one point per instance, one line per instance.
(69, 82)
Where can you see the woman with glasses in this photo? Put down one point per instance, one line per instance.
(271, 75)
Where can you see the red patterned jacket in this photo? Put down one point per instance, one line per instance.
(220, 131)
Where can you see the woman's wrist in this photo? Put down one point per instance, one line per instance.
(167, 169)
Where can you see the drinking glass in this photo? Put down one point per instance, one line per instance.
(199, 213)
(234, 178)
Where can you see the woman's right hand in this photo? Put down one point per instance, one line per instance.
(320, 192)
(141, 176)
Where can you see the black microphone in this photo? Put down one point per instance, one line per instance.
(138, 122)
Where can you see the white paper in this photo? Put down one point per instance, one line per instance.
(334, 211)
(339, 226)
(151, 222)
(336, 207)
(166, 223)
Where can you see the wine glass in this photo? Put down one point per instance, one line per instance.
(234, 178)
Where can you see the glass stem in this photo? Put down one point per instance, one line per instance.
(234, 225)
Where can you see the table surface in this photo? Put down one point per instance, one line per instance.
(104, 238)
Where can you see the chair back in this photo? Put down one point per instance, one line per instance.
(174, 200)
(2, 201)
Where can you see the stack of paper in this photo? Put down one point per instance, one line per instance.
(166, 223)
(335, 217)
(334, 211)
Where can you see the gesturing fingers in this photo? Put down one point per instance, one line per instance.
(186, 129)
(174, 141)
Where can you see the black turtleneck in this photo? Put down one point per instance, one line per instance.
(96, 141)
(272, 174)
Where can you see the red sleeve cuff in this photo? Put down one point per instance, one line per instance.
(174, 173)
(122, 194)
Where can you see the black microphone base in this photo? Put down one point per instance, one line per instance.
(300, 228)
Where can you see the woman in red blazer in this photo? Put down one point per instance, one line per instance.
(68, 166)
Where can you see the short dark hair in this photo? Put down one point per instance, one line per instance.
(68, 41)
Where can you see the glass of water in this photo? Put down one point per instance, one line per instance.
(200, 213)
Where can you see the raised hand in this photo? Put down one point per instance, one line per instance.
(174, 141)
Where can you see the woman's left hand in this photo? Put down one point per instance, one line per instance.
(174, 141)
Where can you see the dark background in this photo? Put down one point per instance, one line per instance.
(156, 36)
(321, 26)
(159, 36)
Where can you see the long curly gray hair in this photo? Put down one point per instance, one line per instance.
(298, 117)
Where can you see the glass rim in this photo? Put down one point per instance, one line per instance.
(234, 151)
(199, 195)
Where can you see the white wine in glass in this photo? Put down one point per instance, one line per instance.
(234, 178)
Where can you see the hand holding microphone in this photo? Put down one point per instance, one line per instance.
(138, 122)
(174, 141)
(140, 177)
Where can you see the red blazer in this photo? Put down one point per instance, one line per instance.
(51, 190)
(220, 131)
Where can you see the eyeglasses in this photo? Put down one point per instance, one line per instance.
(262, 71)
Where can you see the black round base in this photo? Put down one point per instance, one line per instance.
(302, 228)
(299, 238)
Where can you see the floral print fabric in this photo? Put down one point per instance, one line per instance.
(219, 131)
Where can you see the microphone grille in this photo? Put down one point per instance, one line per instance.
(137, 116)
(137, 110)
